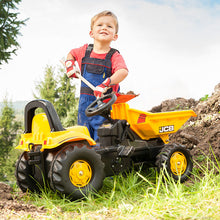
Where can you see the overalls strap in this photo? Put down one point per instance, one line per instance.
(108, 55)
(95, 70)
(89, 50)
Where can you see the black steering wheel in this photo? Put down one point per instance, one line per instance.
(99, 106)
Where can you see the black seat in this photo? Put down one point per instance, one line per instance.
(53, 118)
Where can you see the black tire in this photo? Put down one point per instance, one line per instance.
(23, 174)
(76, 158)
(176, 160)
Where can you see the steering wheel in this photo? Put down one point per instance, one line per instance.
(100, 105)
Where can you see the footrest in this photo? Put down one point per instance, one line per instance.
(125, 151)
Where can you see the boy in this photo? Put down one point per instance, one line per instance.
(101, 65)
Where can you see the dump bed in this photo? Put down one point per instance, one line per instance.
(151, 125)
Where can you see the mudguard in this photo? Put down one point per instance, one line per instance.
(46, 129)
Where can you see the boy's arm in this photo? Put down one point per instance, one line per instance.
(116, 78)
(70, 57)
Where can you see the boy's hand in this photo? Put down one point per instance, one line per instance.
(102, 88)
(71, 69)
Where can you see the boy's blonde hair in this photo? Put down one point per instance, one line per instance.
(105, 13)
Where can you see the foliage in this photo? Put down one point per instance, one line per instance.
(57, 88)
(67, 103)
(47, 87)
(204, 98)
(9, 128)
(9, 29)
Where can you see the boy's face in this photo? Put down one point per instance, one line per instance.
(104, 29)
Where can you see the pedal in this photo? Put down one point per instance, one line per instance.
(125, 151)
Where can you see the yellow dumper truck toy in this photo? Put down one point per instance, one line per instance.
(74, 164)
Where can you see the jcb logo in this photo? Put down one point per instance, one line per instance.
(168, 128)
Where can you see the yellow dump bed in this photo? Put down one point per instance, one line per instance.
(151, 125)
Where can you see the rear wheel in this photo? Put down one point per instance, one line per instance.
(76, 170)
(177, 161)
(24, 175)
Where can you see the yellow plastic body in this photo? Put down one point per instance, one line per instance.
(42, 135)
(151, 125)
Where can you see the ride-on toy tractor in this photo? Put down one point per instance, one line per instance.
(74, 164)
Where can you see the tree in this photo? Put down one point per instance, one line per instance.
(58, 89)
(67, 103)
(9, 128)
(9, 29)
(47, 87)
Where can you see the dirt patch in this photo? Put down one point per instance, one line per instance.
(13, 207)
(175, 104)
(128, 93)
(201, 134)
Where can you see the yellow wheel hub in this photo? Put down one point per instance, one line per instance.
(80, 173)
(178, 163)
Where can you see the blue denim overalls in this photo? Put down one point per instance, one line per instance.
(95, 71)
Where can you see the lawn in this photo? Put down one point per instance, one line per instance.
(142, 194)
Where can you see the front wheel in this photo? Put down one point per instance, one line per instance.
(76, 170)
(176, 160)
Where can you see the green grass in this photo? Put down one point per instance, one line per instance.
(142, 195)
(204, 98)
